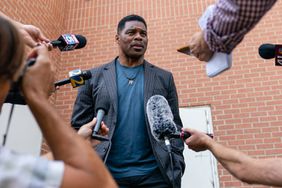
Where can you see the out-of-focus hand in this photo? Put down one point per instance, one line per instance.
(38, 80)
(199, 48)
(32, 35)
(86, 131)
(198, 141)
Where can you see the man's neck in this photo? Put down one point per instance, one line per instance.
(131, 62)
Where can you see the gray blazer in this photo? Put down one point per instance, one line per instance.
(157, 81)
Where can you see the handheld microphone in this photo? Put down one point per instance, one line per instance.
(161, 120)
(67, 42)
(102, 108)
(76, 78)
(267, 51)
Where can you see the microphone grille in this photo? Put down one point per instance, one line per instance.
(160, 117)
(267, 51)
(82, 41)
(86, 74)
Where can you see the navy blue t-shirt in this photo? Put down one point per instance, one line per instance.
(131, 152)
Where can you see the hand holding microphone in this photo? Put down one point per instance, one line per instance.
(86, 130)
(102, 107)
(161, 120)
(197, 141)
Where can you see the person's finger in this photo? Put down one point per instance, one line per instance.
(94, 142)
(104, 130)
(203, 57)
(91, 124)
(29, 41)
(42, 37)
(187, 129)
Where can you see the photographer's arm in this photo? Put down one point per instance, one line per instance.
(85, 132)
(242, 166)
(83, 168)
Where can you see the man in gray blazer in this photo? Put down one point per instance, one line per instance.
(132, 155)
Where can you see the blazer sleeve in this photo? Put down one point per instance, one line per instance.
(173, 103)
(83, 110)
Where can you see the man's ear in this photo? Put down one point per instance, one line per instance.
(117, 37)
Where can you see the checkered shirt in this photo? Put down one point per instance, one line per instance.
(231, 20)
(22, 171)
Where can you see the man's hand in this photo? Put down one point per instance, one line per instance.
(32, 35)
(198, 141)
(86, 131)
(199, 47)
(38, 80)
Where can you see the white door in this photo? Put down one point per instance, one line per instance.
(24, 135)
(201, 167)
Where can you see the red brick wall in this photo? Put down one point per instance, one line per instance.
(246, 101)
(47, 15)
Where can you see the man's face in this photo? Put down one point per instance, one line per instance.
(132, 40)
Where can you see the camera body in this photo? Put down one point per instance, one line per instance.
(14, 96)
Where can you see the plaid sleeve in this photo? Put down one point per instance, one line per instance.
(231, 20)
(28, 171)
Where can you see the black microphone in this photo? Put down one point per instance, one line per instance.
(102, 107)
(267, 51)
(67, 42)
(76, 78)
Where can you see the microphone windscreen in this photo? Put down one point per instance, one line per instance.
(267, 51)
(160, 117)
(82, 41)
(86, 74)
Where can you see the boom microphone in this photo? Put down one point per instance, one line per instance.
(161, 120)
(67, 42)
(161, 124)
(76, 78)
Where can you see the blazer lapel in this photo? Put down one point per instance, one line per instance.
(149, 76)
(109, 74)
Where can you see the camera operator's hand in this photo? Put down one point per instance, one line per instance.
(38, 80)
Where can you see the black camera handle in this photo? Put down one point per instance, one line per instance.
(29, 63)
(8, 125)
